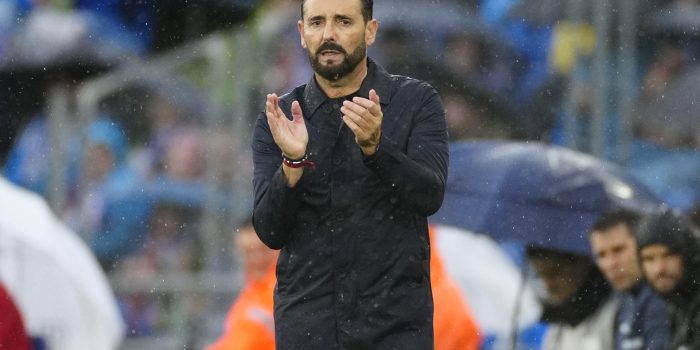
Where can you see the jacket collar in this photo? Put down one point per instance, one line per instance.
(377, 78)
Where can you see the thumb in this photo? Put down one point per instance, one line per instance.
(297, 115)
(373, 96)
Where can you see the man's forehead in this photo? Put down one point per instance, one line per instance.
(616, 235)
(331, 8)
(656, 248)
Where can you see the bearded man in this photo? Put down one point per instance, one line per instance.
(347, 169)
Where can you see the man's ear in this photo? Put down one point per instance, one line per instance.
(300, 28)
(371, 31)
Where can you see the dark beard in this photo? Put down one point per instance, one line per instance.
(342, 69)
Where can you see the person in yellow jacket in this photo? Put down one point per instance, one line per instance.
(249, 324)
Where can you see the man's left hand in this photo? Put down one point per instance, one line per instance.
(364, 117)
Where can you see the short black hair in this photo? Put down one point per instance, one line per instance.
(614, 217)
(367, 6)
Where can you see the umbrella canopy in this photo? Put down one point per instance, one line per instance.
(56, 282)
(544, 196)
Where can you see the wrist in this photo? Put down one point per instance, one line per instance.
(302, 162)
(370, 150)
(293, 157)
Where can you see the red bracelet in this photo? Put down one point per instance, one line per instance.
(298, 163)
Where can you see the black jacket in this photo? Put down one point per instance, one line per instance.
(641, 322)
(353, 271)
(681, 237)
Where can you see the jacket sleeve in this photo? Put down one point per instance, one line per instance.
(419, 174)
(275, 204)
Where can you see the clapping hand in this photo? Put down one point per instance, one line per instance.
(364, 117)
(290, 136)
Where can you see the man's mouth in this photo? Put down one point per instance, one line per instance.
(330, 53)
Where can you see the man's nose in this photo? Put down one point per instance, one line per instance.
(329, 32)
(655, 269)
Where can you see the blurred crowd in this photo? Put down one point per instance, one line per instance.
(140, 176)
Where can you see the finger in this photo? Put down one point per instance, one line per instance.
(354, 107)
(369, 105)
(297, 115)
(361, 120)
(361, 115)
(353, 126)
(270, 106)
(269, 110)
(374, 97)
(272, 120)
(358, 113)
(276, 105)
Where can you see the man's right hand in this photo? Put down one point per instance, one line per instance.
(289, 135)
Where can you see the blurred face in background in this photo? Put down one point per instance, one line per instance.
(256, 256)
(336, 36)
(662, 268)
(561, 277)
(99, 162)
(615, 253)
(184, 158)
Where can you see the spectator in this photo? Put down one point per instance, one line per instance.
(669, 249)
(184, 157)
(29, 159)
(640, 321)
(578, 308)
(105, 174)
(109, 212)
(250, 324)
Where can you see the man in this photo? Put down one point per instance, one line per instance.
(249, 324)
(640, 321)
(669, 249)
(578, 306)
(347, 169)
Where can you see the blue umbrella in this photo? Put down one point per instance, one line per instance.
(534, 194)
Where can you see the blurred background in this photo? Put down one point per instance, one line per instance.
(133, 117)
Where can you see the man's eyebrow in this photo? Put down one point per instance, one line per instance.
(342, 17)
(317, 17)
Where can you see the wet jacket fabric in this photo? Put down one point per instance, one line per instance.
(675, 231)
(454, 325)
(641, 322)
(249, 323)
(13, 335)
(353, 271)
